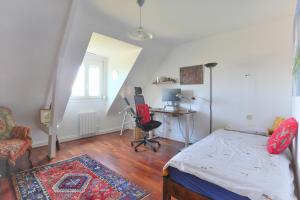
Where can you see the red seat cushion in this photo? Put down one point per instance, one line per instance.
(282, 136)
(143, 112)
(12, 149)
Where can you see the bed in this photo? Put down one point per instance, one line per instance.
(229, 165)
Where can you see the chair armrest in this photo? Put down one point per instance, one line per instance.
(137, 119)
(21, 132)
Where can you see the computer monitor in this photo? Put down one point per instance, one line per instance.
(171, 95)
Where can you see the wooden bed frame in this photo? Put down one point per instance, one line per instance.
(173, 189)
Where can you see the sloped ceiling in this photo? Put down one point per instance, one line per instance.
(86, 20)
(107, 46)
(180, 21)
(30, 36)
(32, 31)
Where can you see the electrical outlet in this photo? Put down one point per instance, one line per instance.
(249, 117)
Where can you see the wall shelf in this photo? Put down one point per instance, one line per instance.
(164, 80)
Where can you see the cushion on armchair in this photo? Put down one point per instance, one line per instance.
(6, 123)
(14, 140)
(21, 132)
(13, 149)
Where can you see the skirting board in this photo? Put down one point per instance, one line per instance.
(76, 137)
(102, 132)
(176, 138)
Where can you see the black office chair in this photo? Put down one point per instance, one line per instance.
(144, 121)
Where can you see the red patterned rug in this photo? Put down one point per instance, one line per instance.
(77, 178)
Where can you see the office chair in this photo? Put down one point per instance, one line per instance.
(144, 121)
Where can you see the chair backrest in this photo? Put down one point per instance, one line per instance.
(139, 99)
(143, 112)
(138, 91)
(7, 123)
(138, 96)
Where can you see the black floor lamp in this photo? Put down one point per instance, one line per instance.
(210, 66)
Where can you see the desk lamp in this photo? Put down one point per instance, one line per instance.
(180, 96)
(210, 66)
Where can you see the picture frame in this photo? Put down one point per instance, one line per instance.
(191, 75)
(45, 116)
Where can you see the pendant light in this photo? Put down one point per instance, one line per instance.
(140, 33)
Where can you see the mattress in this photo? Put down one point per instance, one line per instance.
(239, 163)
(202, 187)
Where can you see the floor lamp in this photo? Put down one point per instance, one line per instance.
(210, 66)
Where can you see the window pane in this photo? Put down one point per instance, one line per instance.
(94, 81)
(79, 84)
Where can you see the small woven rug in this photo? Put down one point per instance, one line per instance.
(78, 178)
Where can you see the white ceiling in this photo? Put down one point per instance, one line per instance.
(108, 47)
(184, 20)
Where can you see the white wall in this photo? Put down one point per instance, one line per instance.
(69, 128)
(264, 52)
(86, 20)
(30, 36)
(122, 64)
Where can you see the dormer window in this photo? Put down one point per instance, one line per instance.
(91, 78)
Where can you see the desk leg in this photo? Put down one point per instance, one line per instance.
(187, 130)
(123, 123)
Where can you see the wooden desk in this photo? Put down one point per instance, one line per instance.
(177, 113)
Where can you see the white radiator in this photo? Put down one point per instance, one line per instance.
(87, 123)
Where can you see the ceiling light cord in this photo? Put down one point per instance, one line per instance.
(140, 34)
(140, 16)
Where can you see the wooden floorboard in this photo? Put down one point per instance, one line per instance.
(143, 168)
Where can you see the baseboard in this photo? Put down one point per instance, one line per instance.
(102, 132)
(77, 137)
(178, 139)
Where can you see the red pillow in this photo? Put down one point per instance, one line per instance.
(282, 136)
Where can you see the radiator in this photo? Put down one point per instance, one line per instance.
(87, 123)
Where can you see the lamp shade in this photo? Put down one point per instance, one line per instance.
(140, 34)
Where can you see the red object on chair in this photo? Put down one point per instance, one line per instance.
(143, 112)
(282, 136)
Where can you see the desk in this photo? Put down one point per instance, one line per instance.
(177, 113)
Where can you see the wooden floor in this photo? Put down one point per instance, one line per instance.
(143, 168)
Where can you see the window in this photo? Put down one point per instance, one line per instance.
(91, 79)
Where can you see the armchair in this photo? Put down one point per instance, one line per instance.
(14, 140)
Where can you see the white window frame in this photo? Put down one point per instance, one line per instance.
(93, 59)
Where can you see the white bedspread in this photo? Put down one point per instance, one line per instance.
(240, 163)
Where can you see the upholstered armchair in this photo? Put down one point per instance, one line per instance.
(14, 140)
